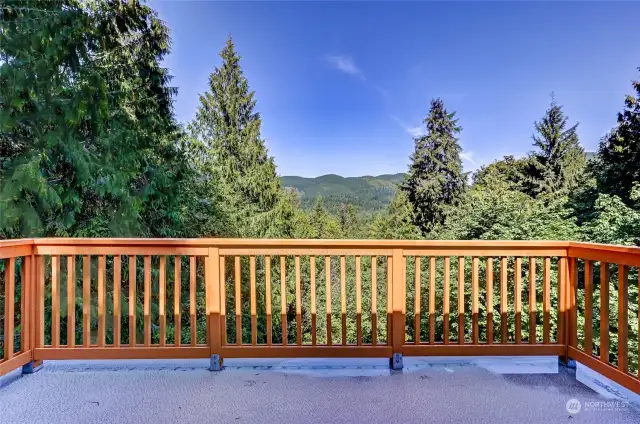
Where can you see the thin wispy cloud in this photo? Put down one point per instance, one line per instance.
(468, 156)
(345, 64)
(414, 131)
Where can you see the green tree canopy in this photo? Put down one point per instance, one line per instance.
(435, 181)
(495, 209)
(233, 151)
(617, 165)
(88, 141)
(558, 162)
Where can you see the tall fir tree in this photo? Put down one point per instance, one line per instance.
(228, 127)
(435, 181)
(558, 163)
(617, 165)
(87, 133)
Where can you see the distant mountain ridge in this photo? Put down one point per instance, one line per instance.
(367, 193)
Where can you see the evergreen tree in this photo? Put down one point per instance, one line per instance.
(228, 127)
(617, 165)
(396, 223)
(514, 171)
(87, 134)
(435, 180)
(348, 220)
(558, 163)
(322, 224)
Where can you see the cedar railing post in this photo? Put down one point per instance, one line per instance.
(565, 286)
(398, 301)
(212, 299)
(572, 336)
(34, 269)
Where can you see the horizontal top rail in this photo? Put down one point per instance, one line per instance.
(608, 247)
(626, 255)
(235, 246)
(623, 255)
(16, 242)
(312, 243)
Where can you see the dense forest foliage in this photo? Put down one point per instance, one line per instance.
(90, 147)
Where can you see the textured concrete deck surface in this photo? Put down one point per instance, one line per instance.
(188, 393)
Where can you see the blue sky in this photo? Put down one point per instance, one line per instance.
(342, 86)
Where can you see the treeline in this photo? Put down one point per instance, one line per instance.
(90, 147)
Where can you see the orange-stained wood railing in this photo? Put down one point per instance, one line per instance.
(192, 298)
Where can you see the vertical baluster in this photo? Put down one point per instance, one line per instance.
(432, 299)
(446, 300)
(460, 300)
(55, 301)
(25, 304)
(504, 301)
(573, 297)
(71, 301)
(532, 300)
(298, 304)
(147, 300)
(192, 300)
(9, 305)
(604, 312)
(267, 273)
(343, 298)
(102, 316)
(358, 303)
(546, 301)
(474, 300)
(253, 301)
(117, 277)
(562, 291)
(588, 307)
(283, 298)
(327, 270)
(161, 300)
(40, 296)
(518, 299)
(86, 301)
(223, 300)
(416, 303)
(489, 300)
(623, 318)
(374, 298)
(177, 281)
(238, 295)
(312, 265)
(132, 301)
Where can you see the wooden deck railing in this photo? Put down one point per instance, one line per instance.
(169, 298)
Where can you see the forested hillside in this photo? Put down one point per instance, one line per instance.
(366, 193)
(90, 147)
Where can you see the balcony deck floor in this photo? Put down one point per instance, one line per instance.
(186, 392)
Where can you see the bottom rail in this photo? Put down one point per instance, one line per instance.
(122, 353)
(306, 351)
(607, 370)
(482, 350)
(15, 362)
